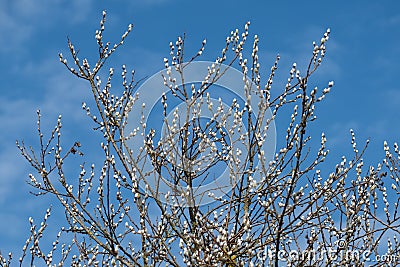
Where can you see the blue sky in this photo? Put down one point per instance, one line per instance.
(363, 58)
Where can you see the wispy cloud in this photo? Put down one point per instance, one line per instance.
(13, 33)
(62, 94)
(21, 19)
(55, 92)
(390, 21)
(392, 96)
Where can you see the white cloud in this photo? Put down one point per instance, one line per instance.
(390, 21)
(391, 97)
(13, 33)
(35, 10)
(21, 19)
(13, 171)
(63, 94)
